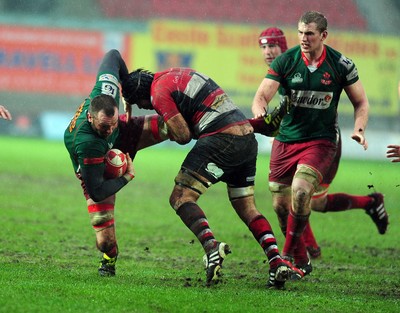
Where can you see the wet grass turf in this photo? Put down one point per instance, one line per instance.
(49, 259)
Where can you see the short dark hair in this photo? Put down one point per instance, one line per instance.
(104, 103)
(315, 17)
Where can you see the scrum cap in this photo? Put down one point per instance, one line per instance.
(274, 36)
(137, 86)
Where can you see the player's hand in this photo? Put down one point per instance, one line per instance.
(360, 139)
(130, 171)
(259, 112)
(393, 153)
(4, 113)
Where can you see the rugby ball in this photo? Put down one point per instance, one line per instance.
(115, 164)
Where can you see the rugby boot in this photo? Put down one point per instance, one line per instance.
(107, 266)
(213, 262)
(376, 210)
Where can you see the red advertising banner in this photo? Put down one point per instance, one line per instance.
(43, 60)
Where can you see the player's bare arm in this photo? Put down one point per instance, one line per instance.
(154, 131)
(4, 113)
(358, 98)
(393, 153)
(263, 96)
(179, 130)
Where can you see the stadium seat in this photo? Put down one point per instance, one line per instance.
(341, 14)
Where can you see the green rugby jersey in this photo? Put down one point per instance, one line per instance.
(81, 141)
(315, 93)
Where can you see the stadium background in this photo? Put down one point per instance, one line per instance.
(50, 50)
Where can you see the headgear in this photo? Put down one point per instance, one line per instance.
(274, 36)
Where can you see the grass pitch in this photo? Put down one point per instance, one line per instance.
(49, 260)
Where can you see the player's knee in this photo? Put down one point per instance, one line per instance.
(300, 195)
(181, 195)
(101, 215)
(301, 200)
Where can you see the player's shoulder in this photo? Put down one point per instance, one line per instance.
(82, 138)
(85, 133)
(342, 64)
(337, 58)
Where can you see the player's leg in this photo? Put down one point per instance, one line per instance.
(281, 199)
(188, 188)
(283, 165)
(189, 185)
(198, 172)
(372, 204)
(140, 132)
(314, 160)
(154, 131)
(240, 171)
(102, 220)
(302, 189)
(313, 249)
(320, 199)
(242, 200)
(281, 203)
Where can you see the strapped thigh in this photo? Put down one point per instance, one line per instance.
(189, 179)
(309, 174)
(321, 191)
(241, 192)
(281, 189)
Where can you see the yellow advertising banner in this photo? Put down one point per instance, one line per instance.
(378, 62)
(230, 55)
